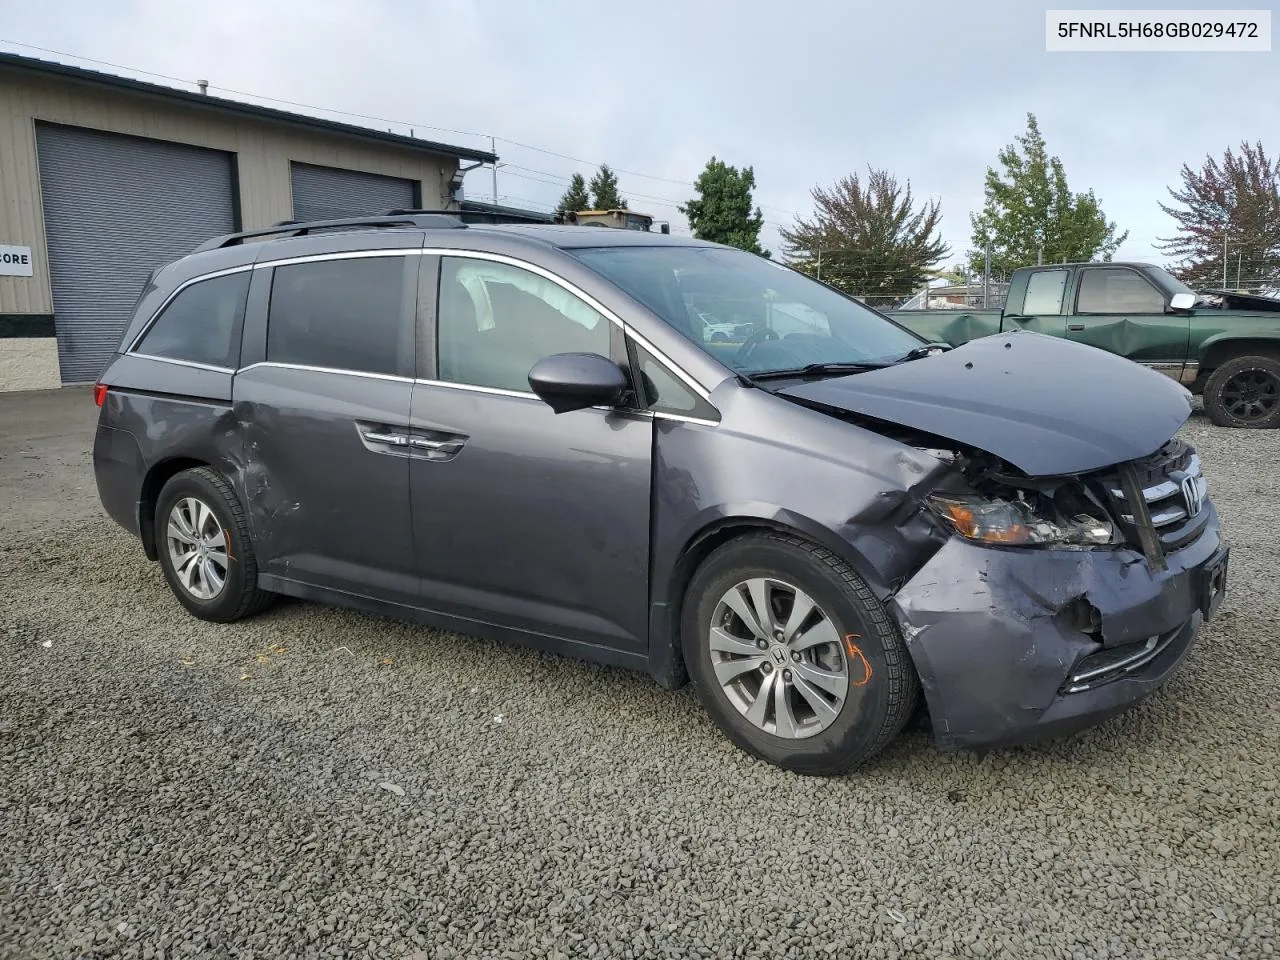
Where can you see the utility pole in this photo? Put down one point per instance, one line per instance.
(986, 278)
(493, 148)
(1224, 259)
(819, 263)
(1239, 259)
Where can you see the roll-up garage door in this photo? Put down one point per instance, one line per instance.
(327, 193)
(115, 208)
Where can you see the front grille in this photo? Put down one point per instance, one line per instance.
(1174, 493)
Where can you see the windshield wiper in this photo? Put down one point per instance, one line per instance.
(821, 370)
(922, 351)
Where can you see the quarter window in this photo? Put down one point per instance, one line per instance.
(1115, 290)
(663, 392)
(1044, 293)
(353, 314)
(202, 323)
(496, 321)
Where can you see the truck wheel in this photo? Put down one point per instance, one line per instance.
(1245, 392)
(794, 657)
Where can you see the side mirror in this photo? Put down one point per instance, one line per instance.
(1181, 302)
(575, 381)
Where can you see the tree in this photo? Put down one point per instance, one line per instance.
(575, 198)
(1237, 200)
(869, 240)
(1031, 215)
(604, 190)
(722, 211)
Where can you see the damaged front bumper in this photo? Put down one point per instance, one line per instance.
(1016, 645)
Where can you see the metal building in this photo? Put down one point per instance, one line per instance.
(103, 178)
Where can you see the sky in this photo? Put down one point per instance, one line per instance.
(804, 92)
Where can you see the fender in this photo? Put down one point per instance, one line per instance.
(884, 550)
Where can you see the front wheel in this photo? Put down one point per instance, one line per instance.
(1245, 392)
(794, 657)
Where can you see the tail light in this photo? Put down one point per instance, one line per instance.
(99, 394)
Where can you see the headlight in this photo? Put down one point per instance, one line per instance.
(1015, 523)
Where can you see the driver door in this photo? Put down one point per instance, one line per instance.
(1119, 310)
(524, 518)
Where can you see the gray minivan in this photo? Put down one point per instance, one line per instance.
(525, 432)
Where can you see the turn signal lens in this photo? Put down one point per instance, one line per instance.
(99, 394)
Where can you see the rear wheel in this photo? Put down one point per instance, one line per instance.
(1245, 392)
(202, 538)
(794, 657)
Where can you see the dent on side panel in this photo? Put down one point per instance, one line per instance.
(168, 412)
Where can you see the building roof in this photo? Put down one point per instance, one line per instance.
(235, 107)
(501, 210)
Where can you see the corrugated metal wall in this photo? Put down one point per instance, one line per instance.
(326, 193)
(115, 208)
(263, 153)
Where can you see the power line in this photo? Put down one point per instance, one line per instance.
(364, 116)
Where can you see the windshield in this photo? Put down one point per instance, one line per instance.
(752, 314)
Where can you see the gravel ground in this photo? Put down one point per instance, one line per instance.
(316, 782)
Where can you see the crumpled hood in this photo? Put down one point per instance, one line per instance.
(1047, 406)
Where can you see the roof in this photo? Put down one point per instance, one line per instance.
(235, 107)
(1090, 263)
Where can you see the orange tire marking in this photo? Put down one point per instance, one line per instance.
(855, 653)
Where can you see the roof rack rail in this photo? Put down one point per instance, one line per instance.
(423, 219)
(471, 216)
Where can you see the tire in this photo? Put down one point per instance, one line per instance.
(1244, 392)
(881, 688)
(238, 594)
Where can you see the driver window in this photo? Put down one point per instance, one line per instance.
(496, 321)
(1117, 290)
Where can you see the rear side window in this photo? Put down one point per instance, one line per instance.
(353, 314)
(1044, 293)
(202, 323)
(1116, 290)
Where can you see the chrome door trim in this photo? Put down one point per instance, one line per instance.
(183, 363)
(345, 255)
(302, 366)
(534, 268)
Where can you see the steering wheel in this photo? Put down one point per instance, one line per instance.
(760, 336)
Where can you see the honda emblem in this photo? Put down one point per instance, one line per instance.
(1192, 496)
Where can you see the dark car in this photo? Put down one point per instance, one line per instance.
(519, 432)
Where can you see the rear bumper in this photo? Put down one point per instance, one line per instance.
(118, 470)
(1015, 646)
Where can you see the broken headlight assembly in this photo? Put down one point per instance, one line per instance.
(1015, 522)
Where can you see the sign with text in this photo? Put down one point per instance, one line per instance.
(1158, 31)
(15, 261)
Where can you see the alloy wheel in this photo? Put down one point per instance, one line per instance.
(1251, 395)
(197, 548)
(778, 658)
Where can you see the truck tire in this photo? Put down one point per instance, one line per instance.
(1245, 392)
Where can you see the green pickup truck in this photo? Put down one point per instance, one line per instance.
(1222, 345)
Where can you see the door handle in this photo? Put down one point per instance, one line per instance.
(1076, 327)
(444, 446)
(395, 439)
